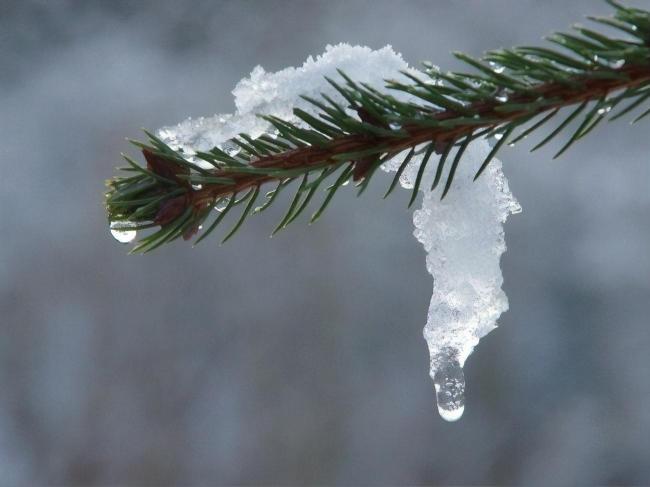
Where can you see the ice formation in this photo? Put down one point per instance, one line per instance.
(462, 234)
(279, 93)
(463, 238)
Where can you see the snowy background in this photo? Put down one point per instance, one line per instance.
(298, 359)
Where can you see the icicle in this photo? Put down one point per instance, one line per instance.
(463, 237)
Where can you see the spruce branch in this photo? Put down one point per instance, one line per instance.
(507, 91)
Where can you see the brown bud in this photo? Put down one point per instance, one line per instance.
(361, 167)
(164, 167)
(191, 231)
(170, 210)
(440, 146)
(368, 117)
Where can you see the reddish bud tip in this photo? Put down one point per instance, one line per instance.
(163, 167)
(170, 210)
(361, 168)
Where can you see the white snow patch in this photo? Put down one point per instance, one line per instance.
(279, 93)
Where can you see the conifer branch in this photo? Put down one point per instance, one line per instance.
(509, 90)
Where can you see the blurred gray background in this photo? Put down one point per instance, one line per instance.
(298, 359)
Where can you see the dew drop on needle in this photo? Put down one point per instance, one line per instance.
(123, 231)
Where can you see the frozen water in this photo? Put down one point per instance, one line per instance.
(463, 238)
(462, 235)
(449, 382)
(278, 94)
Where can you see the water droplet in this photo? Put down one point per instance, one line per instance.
(433, 73)
(618, 63)
(449, 381)
(122, 231)
(494, 138)
(221, 204)
(497, 68)
(230, 148)
(614, 64)
(604, 110)
(197, 186)
(431, 68)
(395, 126)
(347, 181)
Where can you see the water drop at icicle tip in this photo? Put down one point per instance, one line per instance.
(449, 381)
(122, 231)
